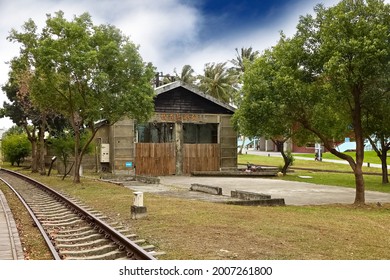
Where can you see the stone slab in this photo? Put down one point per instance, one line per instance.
(206, 189)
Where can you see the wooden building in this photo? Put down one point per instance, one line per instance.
(190, 131)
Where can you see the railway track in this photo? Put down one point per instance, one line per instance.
(70, 229)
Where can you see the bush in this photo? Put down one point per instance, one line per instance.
(15, 148)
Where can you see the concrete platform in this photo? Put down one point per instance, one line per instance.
(10, 245)
(294, 193)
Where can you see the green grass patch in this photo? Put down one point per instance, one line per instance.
(369, 156)
(301, 163)
(372, 182)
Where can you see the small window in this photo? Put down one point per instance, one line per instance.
(200, 133)
(155, 132)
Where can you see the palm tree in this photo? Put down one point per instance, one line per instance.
(218, 81)
(187, 75)
(243, 57)
(246, 55)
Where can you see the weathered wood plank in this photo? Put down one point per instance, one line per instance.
(155, 159)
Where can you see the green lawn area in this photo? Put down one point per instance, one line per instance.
(369, 156)
(318, 170)
(300, 163)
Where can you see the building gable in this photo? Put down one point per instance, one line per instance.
(179, 98)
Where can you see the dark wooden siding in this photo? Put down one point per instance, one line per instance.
(181, 100)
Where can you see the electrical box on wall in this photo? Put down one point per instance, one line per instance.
(105, 153)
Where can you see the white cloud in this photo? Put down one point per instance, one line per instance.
(163, 31)
(168, 31)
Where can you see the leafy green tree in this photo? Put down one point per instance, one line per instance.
(21, 110)
(218, 81)
(350, 42)
(88, 73)
(324, 72)
(15, 148)
(261, 111)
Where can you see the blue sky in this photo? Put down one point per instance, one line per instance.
(170, 33)
(242, 15)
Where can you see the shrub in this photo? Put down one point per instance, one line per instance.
(15, 148)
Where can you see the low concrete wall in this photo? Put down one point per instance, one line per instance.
(124, 177)
(249, 195)
(261, 202)
(255, 199)
(270, 173)
(206, 189)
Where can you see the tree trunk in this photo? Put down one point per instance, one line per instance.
(41, 136)
(382, 154)
(77, 160)
(76, 177)
(359, 182)
(359, 138)
(287, 161)
(80, 151)
(242, 145)
(34, 147)
(385, 174)
(34, 157)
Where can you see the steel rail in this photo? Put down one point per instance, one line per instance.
(132, 249)
(52, 249)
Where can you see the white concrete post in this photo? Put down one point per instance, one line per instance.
(138, 199)
(138, 210)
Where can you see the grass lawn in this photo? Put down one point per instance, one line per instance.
(372, 182)
(187, 229)
(369, 156)
(301, 163)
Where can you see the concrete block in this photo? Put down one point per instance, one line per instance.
(138, 212)
(206, 189)
(261, 202)
(249, 195)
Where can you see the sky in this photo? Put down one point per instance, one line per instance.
(170, 33)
